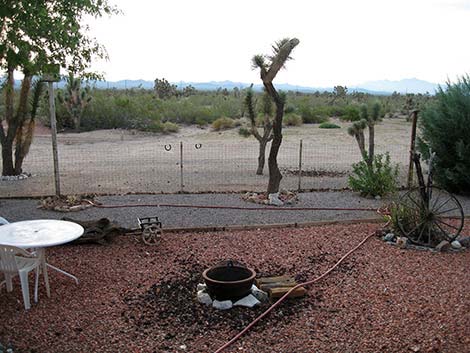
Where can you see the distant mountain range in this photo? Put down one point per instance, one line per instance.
(383, 87)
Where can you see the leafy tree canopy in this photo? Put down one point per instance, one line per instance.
(36, 34)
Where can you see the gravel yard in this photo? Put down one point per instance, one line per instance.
(136, 298)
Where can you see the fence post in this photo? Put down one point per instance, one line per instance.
(54, 138)
(181, 167)
(414, 114)
(299, 187)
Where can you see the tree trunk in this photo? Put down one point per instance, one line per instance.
(21, 133)
(7, 138)
(370, 160)
(275, 175)
(261, 157)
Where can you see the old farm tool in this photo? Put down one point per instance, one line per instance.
(427, 214)
(151, 229)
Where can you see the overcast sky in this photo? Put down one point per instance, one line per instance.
(342, 42)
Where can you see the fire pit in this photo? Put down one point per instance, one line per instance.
(229, 280)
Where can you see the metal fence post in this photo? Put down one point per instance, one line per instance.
(181, 167)
(54, 138)
(299, 187)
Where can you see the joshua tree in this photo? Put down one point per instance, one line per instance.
(267, 124)
(164, 89)
(269, 66)
(75, 99)
(368, 119)
(25, 132)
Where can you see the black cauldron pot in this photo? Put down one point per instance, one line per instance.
(229, 280)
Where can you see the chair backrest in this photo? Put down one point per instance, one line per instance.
(3, 221)
(7, 258)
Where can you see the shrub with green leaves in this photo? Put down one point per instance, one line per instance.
(444, 130)
(223, 123)
(351, 113)
(244, 131)
(292, 119)
(169, 127)
(378, 179)
(327, 125)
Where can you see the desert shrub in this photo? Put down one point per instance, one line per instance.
(292, 120)
(223, 123)
(290, 108)
(314, 115)
(169, 127)
(327, 125)
(201, 122)
(244, 131)
(351, 113)
(444, 131)
(376, 180)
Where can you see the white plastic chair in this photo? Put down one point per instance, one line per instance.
(15, 261)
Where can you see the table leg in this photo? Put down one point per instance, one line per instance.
(43, 255)
(63, 272)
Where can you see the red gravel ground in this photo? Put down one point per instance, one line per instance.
(136, 298)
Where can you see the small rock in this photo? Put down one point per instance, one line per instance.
(443, 246)
(222, 305)
(456, 245)
(204, 298)
(274, 199)
(377, 197)
(249, 301)
(402, 242)
(183, 347)
(389, 237)
(201, 286)
(262, 296)
(465, 241)
(415, 349)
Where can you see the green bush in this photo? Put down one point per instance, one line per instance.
(327, 125)
(314, 115)
(169, 127)
(201, 122)
(444, 131)
(292, 120)
(223, 123)
(378, 180)
(244, 131)
(351, 113)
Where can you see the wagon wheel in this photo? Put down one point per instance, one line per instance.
(151, 234)
(427, 218)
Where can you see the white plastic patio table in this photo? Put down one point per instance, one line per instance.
(41, 234)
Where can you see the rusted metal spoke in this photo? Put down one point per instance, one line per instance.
(449, 210)
(420, 234)
(443, 231)
(445, 203)
(447, 224)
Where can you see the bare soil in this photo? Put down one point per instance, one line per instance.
(122, 161)
(136, 298)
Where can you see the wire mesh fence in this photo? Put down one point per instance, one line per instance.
(189, 166)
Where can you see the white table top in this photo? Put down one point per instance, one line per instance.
(39, 233)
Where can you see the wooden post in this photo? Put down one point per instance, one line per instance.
(414, 116)
(54, 138)
(299, 186)
(181, 167)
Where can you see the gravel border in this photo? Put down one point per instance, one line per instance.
(24, 209)
(381, 299)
